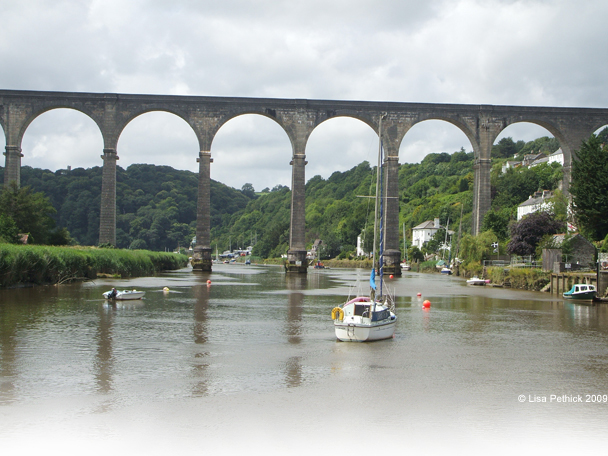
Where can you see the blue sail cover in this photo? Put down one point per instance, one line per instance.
(372, 278)
(381, 250)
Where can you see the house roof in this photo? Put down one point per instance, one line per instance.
(557, 152)
(429, 224)
(539, 161)
(531, 201)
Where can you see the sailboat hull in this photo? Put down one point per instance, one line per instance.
(357, 332)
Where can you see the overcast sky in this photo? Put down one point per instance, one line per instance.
(529, 52)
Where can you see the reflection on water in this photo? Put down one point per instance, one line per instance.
(199, 361)
(255, 350)
(104, 362)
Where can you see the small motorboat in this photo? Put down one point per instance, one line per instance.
(124, 295)
(476, 281)
(405, 266)
(581, 291)
(446, 271)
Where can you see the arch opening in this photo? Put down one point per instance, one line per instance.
(602, 133)
(62, 138)
(436, 181)
(334, 213)
(159, 138)
(251, 149)
(527, 173)
(339, 144)
(432, 136)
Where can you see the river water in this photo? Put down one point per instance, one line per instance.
(249, 365)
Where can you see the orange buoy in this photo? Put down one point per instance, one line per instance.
(426, 304)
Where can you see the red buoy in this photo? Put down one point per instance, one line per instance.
(419, 294)
(426, 304)
(391, 276)
(209, 282)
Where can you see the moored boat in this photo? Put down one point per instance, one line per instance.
(581, 291)
(361, 320)
(369, 318)
(125, 295)
(476, 281)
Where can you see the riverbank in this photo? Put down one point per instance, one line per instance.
(518, 278)
(26, 265)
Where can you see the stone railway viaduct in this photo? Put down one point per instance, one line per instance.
(298, 117)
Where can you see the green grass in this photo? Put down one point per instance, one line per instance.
(37, 265)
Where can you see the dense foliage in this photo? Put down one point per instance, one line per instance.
(588, 187)
(23, 212)
(529, 231)
(156, 205)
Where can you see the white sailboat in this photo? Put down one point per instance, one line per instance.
(368, 318)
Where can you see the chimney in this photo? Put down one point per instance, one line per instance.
(437, 223)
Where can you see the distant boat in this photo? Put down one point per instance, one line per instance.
(125, 295)
(476, 281)
(581, 291)
(446, 270)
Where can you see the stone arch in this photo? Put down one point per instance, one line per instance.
(175, 131)
(458, 123)
(259, 134)
(272, 114)
(367, 151)
(120, 126)
(548, 126)
(83, 130)
(597, 131)
(444, 122)
(38, 113)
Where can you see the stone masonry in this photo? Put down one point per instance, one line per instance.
(298, 117)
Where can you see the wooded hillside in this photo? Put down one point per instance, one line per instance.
(156, 205)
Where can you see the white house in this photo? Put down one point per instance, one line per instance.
(536, 202)
(424, 232)
(557, 156)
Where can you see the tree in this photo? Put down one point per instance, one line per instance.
(506, 148)
(8, 229)
(31, 212)
(415, 254)
(248, 190)
(588, 188)
(473, 249)
(529, 231)
(498, 220)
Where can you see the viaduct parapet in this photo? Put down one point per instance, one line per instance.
(298, 117)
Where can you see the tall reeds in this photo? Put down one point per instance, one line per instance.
(33, 264)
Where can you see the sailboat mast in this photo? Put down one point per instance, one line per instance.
(377, 207)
